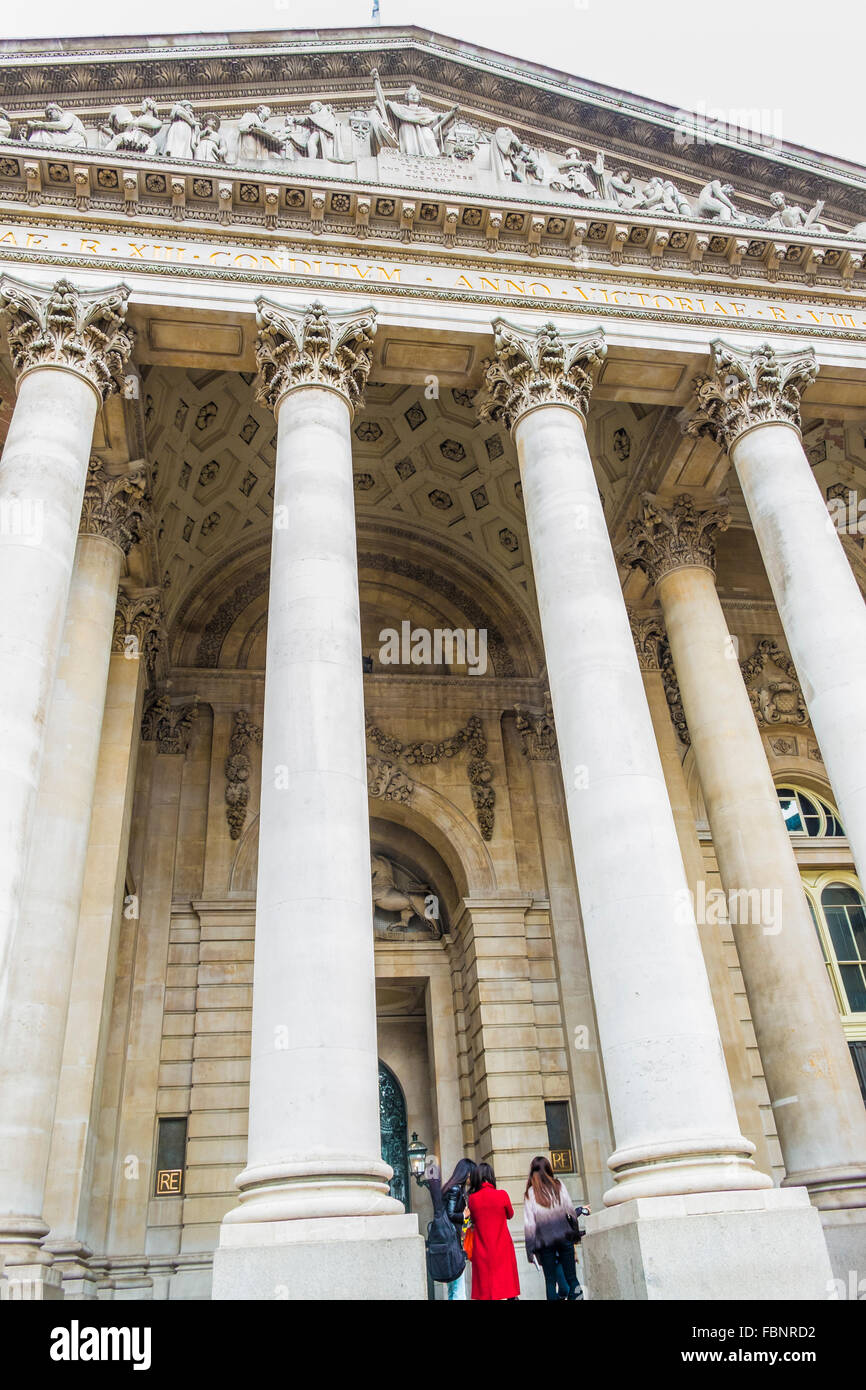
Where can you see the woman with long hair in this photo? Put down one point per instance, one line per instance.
(494, 1263)
(549, 1223)
(454, 1201)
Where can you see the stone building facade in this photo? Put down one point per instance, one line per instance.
(431, 554)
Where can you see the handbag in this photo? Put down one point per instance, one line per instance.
(576, 1232)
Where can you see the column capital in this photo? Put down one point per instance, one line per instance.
(138, 626)
(114, 506)
(168, 726)
(83, 331)
(312, 347)
(542, 367)
(538, 732)
(749, 387)
(662, 538)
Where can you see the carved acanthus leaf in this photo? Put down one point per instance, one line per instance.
(542, 368)
(387, 781)
(662, 538)
(116, 507)
(312, 347)
(138, 627)
(61, 326)
(654, 654)
(748, 388)
(168, 726)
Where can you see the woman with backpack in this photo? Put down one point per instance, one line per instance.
(494, 1263)
(454, 1200)
(550, 1228)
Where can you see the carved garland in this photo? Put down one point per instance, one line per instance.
(238, 768)
(424, 752)
(654, 654)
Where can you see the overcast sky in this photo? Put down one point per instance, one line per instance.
(801, 62)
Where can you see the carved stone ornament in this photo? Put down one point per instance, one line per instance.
(538, 732)
(542, 368)
(654, 654)
(662, 539)
(138, 627)
(312, 347)
(470, 738)
(749, 388)
(62, 326)
(115, 507)
(238, 769)
(774, 701)
(168, 726)
(387, 781)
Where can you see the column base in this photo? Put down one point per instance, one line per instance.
(709, 1246)
(72, 1260)
(353, 1259)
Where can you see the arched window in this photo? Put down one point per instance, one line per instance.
(805, 813)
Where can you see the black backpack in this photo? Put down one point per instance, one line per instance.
(446, 1258)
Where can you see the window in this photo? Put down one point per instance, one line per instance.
(804, 813)
(559, 1136)
(170, 1157)
(839, 913)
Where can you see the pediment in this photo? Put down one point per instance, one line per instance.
(522, 134)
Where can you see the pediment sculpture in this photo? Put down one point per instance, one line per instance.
(398, 139)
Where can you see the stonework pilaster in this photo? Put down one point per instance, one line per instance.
(662, 538)
(654, 654)
(747, 388)
(312, 347)
(168, 726)
(61, 326)
(114, 506)
(542, 368)
(138, 626)
(538, 733)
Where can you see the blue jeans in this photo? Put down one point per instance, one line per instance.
(560, 1272)
(457, 1287)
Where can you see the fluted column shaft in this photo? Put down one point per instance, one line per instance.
(816, 1100)
(314, 1144)
(673, 1114)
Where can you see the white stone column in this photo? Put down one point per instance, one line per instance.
(671, 1105)
(68, 349)
(751, 403)
(315, 1216)
(73, 1138)
(817, 1103)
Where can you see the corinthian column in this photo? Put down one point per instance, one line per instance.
(314, 1174)
(750, 402)
(673, 1114)
(816, 1099)
(33, 1014)
(68, 348)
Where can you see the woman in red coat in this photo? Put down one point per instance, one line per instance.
(494, 1263)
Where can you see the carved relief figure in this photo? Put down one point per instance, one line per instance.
(177, 139)
(581, 175)
(210, 147)
(661, 195)
(714, 203)
(127, 131)
(255, 140)
(5, 125)
(294, 137)
(413, 128)
(411, 901)
(622, 188)
(59, 130)
(794, 218)
(323, 132)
